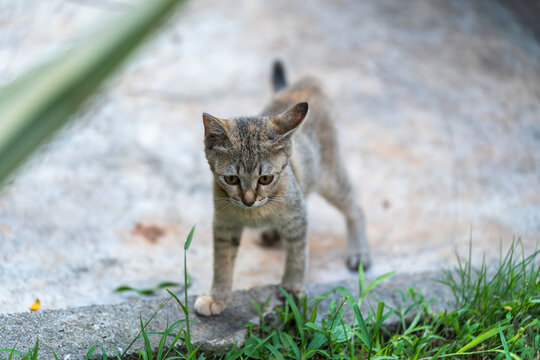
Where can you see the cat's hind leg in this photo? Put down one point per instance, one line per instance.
(337, 190)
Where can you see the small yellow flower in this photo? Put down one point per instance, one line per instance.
(507, 307)
(35, 306)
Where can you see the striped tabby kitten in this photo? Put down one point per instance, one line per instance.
(264, 167)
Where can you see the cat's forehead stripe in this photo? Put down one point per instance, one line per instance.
(266, 168)
(251, 134)
(232, 168)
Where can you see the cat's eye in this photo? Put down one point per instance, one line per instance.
(231, 179)
(266, 179)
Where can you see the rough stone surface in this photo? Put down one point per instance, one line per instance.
(72, 332)
(437, 104)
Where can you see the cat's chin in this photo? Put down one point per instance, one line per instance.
(255, 205)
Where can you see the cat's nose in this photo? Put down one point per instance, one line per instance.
(249, 198)
(249, 202)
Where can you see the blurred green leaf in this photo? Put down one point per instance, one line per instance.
(153, 290)
(37, 104)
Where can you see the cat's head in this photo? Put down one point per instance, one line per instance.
(247, 155)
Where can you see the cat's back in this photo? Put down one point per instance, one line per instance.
(315, 143)
(307, 89)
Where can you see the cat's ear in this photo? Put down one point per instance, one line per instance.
(290, 119)
(215, 130)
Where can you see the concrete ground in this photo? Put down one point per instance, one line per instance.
(437, 105)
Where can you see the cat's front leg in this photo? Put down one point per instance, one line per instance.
(226, 243)
(295, 240)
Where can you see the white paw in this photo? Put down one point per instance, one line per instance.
(206, 306)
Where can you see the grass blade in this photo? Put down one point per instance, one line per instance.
(364, 333)
(296, 313)
(12, 350)
(90, 352)
(138, 291)
(376, 282)
(147, 347)
(512, 355)
(504, 344)
(150, 291)
(161, 306)
(315, 345)
(274, 351)
(480, 338)
(189, 238)
(291, 344)
(361, 280)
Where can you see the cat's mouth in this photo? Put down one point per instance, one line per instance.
(252, 206)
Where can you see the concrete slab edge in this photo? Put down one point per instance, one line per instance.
(72, 332)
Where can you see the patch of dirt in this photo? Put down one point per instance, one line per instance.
(151, 233)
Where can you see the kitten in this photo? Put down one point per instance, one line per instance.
(264, 166)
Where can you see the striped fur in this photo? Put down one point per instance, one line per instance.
(293, 140)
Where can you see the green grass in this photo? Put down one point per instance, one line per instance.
(155, 289)
(496, 317)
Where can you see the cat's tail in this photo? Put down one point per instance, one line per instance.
(279, 81)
